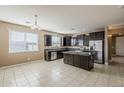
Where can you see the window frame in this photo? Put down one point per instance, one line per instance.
(25, 42)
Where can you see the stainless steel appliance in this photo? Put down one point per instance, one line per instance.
(97, 47)
(53, 55)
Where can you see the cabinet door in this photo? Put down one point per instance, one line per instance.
(97, 35)
(77, 60)
(65, 58)
(47, 55)
(92, 36)
(48, 40)
(70, 59)
(100, 35)
(84, 61)
(67, 41)
(64, 41)
(59, 54)
(86, 40)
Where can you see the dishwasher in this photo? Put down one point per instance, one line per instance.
(53, 55)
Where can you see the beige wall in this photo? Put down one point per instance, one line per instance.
(113, 45)
(14, 58)
(110, 33)
(120, 46)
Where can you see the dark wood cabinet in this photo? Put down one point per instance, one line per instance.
(100, 35)
(82, 40)
(97, 35)
(77, 60)
(85, 62)
(92, 36)
(67, 41)
(68, 59)
(80, 37)
(59, 54)
(47, 55)
(85, 40)
(48, 40)
(65, 58)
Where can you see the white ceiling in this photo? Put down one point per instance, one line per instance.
(57, 18)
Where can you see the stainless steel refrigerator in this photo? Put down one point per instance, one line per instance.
(97, 47)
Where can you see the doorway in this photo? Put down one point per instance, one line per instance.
(118, 48)
(116, 45)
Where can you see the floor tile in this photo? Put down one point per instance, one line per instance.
(57, 74)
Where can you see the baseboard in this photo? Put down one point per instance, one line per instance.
(117, 56)
(18, 64)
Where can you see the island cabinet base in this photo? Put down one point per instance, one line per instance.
(85, 62)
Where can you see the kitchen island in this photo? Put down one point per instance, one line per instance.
(83, 60)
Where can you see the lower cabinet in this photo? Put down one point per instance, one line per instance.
(65, 58)
(68, 59)
(59, 55)
(85, 62)
(77, 60)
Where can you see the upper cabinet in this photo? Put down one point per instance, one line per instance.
(92, 36)
(97, 35)
(55, 41)
(48, 40)
(100, 35)
(86, 40)
(79, 40)
(67, 41)
(76, 41)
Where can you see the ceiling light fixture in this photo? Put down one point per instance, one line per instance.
(35, 26)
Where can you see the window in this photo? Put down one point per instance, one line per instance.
(22, 42)
(16, 42)
(31, 42)
(56, 41)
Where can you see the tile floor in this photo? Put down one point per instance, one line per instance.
(57, 74)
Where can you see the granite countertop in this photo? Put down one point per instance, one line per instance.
(52, 50)
(78, 53)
